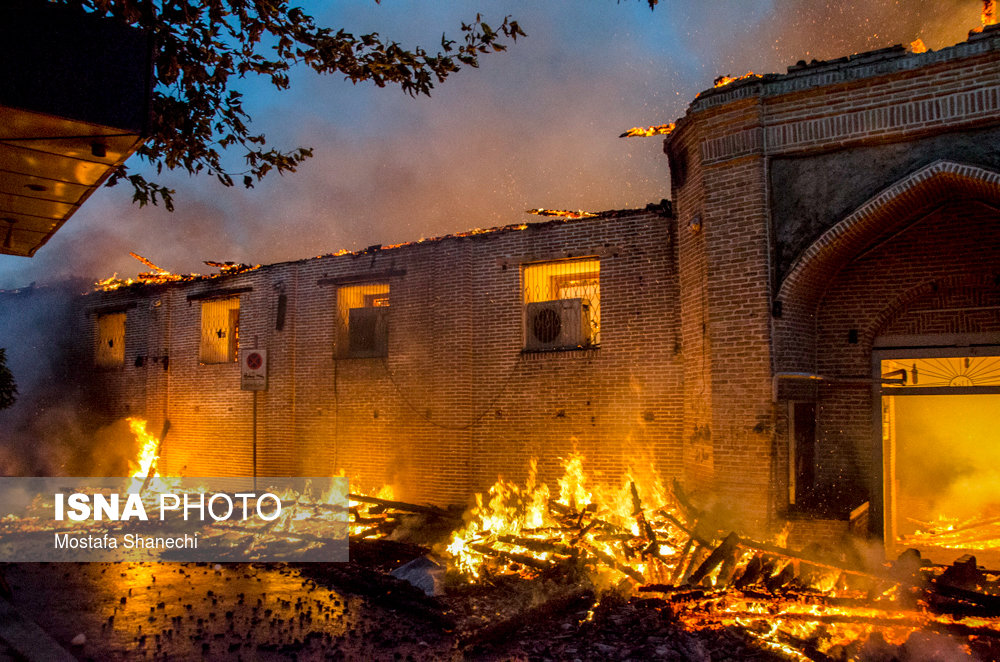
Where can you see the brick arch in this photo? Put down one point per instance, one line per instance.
(942, 286)
(879, 216)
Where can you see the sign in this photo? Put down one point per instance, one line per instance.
(253, 370)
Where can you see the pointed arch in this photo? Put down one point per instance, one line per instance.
(879, 217)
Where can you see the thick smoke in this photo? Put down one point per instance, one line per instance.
(947, 459)
(48, 431)
(536, 126)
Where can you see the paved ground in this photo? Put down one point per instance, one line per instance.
(183, 611)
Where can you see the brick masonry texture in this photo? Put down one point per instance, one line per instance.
(876, 226)
(457, 401)
(928, 232)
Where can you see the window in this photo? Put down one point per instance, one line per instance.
(363, 321)
(110, 351)
(220, 330)
(562, 304)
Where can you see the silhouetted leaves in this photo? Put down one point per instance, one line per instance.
(203, 44)
(8, 387)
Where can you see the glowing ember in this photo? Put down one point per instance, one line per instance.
(722, 81)
(563, 213)
(521, 529)
(160, 276)
(647, 131)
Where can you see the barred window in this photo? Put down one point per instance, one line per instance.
(363, 321)
(110, 350)
(220, 330)
(562, 302)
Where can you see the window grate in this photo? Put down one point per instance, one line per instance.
(362, 320)
(562, 281)
(220, 329)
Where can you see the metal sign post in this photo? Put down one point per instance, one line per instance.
(253, 377)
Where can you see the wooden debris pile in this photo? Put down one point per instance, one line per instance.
(382, 518)
(656, 546)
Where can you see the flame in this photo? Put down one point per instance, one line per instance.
(722, 81)
(917, 46)
(160, 276)
(517, 528)
(564, 213)
(147, 447)
(647, 131)
(989, 15)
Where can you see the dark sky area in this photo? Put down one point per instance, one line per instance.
(536, 126)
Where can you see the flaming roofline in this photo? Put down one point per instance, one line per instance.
(849, 68)
(663, 208)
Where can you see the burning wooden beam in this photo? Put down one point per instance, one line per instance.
(649, 131)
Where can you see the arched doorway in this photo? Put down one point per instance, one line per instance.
(911, 276)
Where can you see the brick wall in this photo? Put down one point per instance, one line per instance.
(867, 143)
(946, 261)
(830, 198)
(456, 402)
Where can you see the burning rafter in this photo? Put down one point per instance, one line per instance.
(148, 263)
(722, 81)
(562, 213)
(160, 276)
(648, 131)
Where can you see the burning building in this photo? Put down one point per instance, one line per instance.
(829, 268)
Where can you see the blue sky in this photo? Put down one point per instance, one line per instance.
(536, 126)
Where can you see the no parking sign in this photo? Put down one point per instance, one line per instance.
(253, 370)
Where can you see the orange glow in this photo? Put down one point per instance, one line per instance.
(918, 46)
(647, 131)
(989, 16)
(160, 276)
(722, 81)
(562, 213)
(147, 447)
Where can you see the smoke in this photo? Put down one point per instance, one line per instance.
(947, 457)
(536, 126)
(48, 431)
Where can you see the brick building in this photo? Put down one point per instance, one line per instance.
(833, 234)
(413, 365)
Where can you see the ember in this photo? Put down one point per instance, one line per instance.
(562, 213)
(160, 276)
(648, 131)
(722, 81)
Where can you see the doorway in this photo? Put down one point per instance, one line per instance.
(940, 433)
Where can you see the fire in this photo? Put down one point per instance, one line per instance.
(917, 46)
(563, 213)
(722, 81)
(989, 15)
(160, 276)
(148, 446)
(647, 131)
(610, 529)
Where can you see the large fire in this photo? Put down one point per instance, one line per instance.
(561, 213)
(643, 536)
(722, 81)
